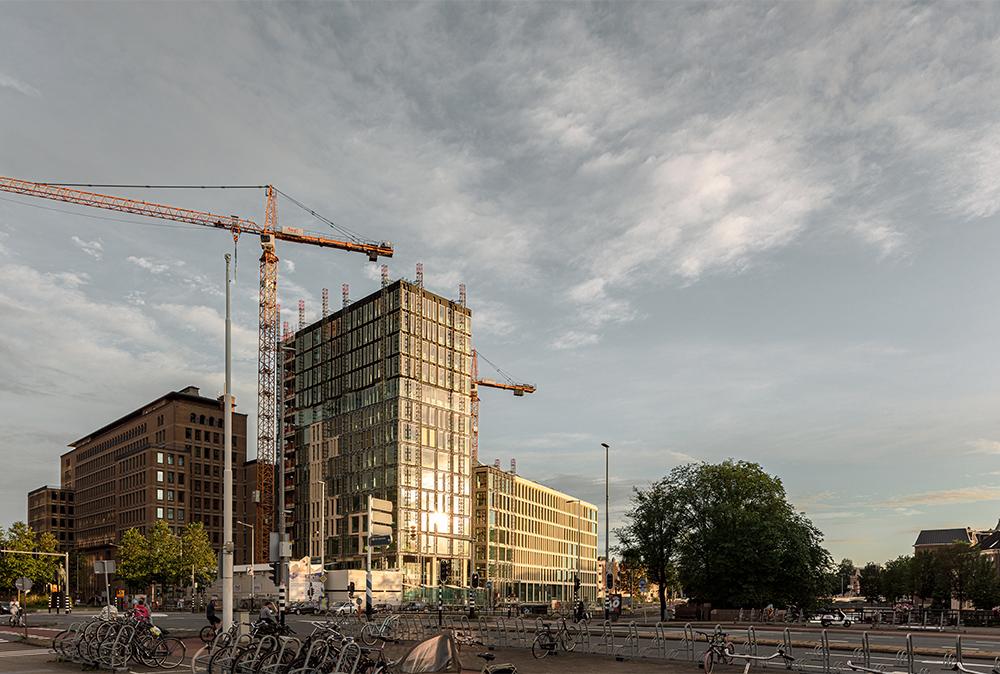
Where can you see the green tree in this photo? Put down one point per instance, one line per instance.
(164, 561)
(845, 570)
(41, 569)
(653, 528)
(870, 580)
(897, 578)
(956, 565)
(198, 557)
(743, 544)
(984, 585)
(923, 575)
(133, 559)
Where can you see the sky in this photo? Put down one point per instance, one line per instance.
(702, 230)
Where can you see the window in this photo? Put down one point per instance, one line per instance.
(159, 494)
(170, 477)
(170, 513)
(159, 513)
(159, 476)
(187, 433)
(170, 459)
(180, 460)
(159, 457)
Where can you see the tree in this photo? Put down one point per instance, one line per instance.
(923, 575)
(897, 578)
(870, 580)
(845, 571)
(956, 564)
(650, 537)
(198, 556)
(743, 544)
(164, 561)
(41, 569)
(133, 559)
(984, 585)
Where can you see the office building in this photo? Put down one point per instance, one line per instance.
(377, 402)
(162, 461)
(532, 540)
(50, 509)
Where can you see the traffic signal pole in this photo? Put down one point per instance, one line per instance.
(368, 564)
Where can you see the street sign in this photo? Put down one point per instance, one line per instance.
(104, 566)
(642, 585)
(250, 570)
(23, 584)
(120, 593)
(376, 541)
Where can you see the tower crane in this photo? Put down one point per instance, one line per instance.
(507, 385)
(269, 233)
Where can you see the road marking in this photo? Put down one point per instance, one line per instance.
(17, 654)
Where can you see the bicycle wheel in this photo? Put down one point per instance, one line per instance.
(570, 637)
(543, 644)
(708, 662)
(169, 653)
(207, 634)
(369, 634)
(200, 660)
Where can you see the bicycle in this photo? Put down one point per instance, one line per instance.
(753, 659)
(547, 640)
(373, 632)
(501, 668)
(720, 649)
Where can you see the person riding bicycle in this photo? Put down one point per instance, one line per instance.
(210, 610)
(141, 611)
(267, 613)
(16, 612)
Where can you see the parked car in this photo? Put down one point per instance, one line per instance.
(414, 606)
(343, 608)
(301, 607)
(831, 616)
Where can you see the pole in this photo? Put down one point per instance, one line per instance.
(368, 564)
(282, 558)
(607, 531)
(227, 475)
(107, 583)
(66, 599)
(322, 536)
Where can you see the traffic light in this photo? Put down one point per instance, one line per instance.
(475, 580)
(576, 583)
(611, 581)
(350, 589)
(445, 571)
(275, 573)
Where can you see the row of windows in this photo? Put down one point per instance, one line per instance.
(212, 421)
(133, 432)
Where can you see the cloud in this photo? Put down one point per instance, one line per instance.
(94, 249)
(960, 495)
(289, 265)
(984, 446)
(152, 266)
(210, 323)
(557, 439)
(493, 318)
(8, 82)
(573, 339)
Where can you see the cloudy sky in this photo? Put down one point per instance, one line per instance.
(703, 231)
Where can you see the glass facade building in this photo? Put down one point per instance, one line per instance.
(531, 540)
(377, 402)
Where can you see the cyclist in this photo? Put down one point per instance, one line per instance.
(141, 611)
(213, 619)
(16, 612)
(267, 612)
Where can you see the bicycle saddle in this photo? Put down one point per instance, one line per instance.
(488, 657)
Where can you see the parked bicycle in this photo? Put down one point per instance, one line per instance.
(720, 650)
(547, 639)
(374, 632)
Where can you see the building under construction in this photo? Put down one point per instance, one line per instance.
(378, 402)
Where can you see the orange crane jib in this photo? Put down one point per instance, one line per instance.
(268, 448)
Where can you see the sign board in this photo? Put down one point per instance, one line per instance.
(381, 524)
(250, 569)
(23, 584)
(376, 541)
(104, 566)
(120, 593)
(642, 585)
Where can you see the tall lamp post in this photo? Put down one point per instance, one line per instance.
(607, 532)
(322, 534)
(252, 558)
(577, 579)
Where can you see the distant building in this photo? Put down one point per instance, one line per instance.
(50, 509)
(531, 540)
(162, 461)
(935, 539)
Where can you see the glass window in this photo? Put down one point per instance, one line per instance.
(159, 476)
(159, 513)
(170, 513)
(159, 494)
(159, 457)
(170, 459)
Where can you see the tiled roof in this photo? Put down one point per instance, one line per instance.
(942, 536)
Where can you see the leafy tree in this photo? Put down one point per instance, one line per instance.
(133, 559)
(870, 580)
(984, 585)
(956, 564)
(743, 544)
(923, 575)
(650, 538)
(42, 570)
(845, 570)
(164, 554)
(897, 578)
(198, 556)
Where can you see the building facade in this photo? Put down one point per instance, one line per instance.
(51, 509)
(163, 461)
(531, 541)
(378, 403)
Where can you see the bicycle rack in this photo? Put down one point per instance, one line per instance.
(630, 645)
(750, 645)
(658, 643)
(607, 645)
(522, 632)
(786, 641)
(686, 649)
(315, 654)
(350, 656)
(120, 651)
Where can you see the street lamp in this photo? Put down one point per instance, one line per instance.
(578, 579)
(607, 531)
(250, 567)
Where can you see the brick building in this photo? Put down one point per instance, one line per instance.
(162, 461)
(50, 509)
